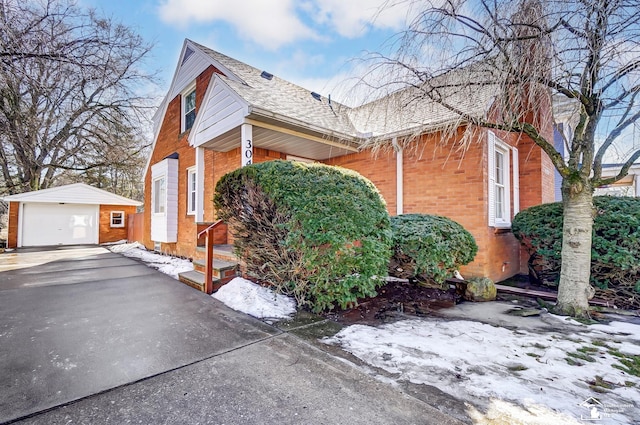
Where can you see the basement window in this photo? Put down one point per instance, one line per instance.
(117, 219)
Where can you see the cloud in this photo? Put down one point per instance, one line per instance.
(353, 18)
(270, 24)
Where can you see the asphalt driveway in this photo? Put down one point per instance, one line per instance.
(88, 336)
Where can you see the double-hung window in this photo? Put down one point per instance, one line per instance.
(159, 195)
(117, 219)
(188, 108)
(503, 169)
(191, 191)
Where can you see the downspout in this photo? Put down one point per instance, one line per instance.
(399, 176)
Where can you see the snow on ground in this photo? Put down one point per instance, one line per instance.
(475, 361)
(163, 263)
(506, 376)
(243, 295)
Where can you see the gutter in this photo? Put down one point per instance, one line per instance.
(253, 110)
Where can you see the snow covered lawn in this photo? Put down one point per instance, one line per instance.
(505, 376)
(537, 371)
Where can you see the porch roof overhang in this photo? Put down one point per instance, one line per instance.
(282, 135)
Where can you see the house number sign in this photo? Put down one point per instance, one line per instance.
(246, 150)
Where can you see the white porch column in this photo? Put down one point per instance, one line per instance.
(399, 177)
(246, 150)
(199, 217)
(636, 181)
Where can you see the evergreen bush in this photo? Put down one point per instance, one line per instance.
(429, 248)
(316, 232)
(615, 251)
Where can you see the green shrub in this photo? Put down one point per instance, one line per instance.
(316, 232)
(429, 247)
(615, 268)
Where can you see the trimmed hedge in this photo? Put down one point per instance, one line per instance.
(615, 254)
(316, 232)
(429, 248)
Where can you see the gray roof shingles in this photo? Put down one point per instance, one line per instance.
(405, 111)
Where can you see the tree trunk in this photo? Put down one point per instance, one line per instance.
(574, 289)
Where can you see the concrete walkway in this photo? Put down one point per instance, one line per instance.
(87, 336)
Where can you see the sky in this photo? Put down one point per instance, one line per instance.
(316, 44)
(312, 43)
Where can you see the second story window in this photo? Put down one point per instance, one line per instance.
(188, 108)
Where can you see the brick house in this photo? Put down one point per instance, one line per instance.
(221, 114)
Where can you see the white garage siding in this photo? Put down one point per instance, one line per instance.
(44, 224)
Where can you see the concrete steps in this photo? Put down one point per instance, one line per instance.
(223, 271)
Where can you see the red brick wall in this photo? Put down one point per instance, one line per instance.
(380, 168)
(113, 234)
(12, 238)
(171, 140)
(440, 180)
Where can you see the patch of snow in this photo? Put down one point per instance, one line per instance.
(166, 264)
(519, 376)
(476, 361)
(243, 295)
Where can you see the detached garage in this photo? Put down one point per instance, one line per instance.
(68, 215)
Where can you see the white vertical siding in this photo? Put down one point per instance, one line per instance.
(164, 226)
(172, 200)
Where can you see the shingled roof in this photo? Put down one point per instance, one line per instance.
(405, 112)
(280, 97)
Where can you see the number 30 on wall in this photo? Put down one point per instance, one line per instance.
(247, 152)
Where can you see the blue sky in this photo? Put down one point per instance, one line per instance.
(309, 42)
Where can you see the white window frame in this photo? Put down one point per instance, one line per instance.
(191, 190)
(114, 215)
(159, 200)
(508, 173)
(183, 109)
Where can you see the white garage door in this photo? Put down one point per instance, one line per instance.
(59, 224)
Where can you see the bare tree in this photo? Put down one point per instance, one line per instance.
(70, 84)
(585, 51)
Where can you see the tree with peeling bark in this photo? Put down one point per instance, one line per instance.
(584, 53)
(70, 93)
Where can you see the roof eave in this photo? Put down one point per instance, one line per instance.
(261, 112)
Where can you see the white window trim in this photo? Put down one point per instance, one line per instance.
(111, 214)
(183, 111)
(191, 191)
(510, 172)
(155, 201)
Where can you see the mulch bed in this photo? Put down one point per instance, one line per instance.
(396, 298)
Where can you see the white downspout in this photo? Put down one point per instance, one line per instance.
(199, 217)
(399, 176)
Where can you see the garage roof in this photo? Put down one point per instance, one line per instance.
(77, 193)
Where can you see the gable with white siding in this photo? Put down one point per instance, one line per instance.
(222, 110)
